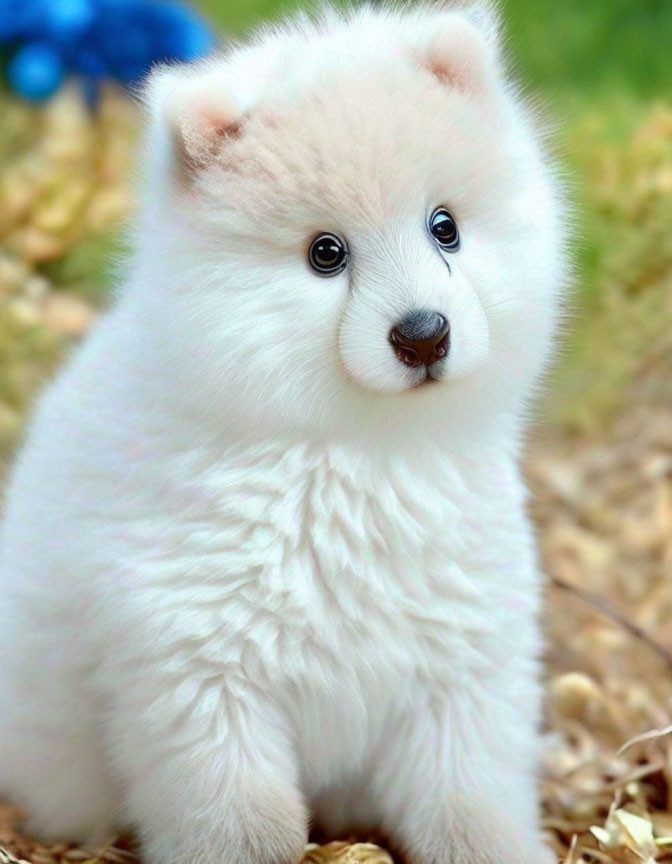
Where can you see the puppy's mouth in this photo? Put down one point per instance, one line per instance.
(428, 376)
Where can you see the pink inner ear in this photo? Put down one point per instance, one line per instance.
(215, 122)
(230, 128)
(202, 129)
(441, 73)
(458, 56)
(202, 119)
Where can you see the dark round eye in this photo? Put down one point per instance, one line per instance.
(443, 229)
(328, 254)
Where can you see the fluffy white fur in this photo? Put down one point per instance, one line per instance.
(250, 573)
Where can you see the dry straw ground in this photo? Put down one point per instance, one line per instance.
(600, 463)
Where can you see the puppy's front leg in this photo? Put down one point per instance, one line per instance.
(215, 782)
(459, 787)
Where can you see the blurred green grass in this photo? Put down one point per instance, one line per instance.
(592, 48)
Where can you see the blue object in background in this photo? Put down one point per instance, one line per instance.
(45, 40)
(67, 20)
(18, 18)
(35, 71)
(175, 31)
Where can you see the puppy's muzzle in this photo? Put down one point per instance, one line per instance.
(421, 338)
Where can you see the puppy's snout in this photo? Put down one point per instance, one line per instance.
(421, 337)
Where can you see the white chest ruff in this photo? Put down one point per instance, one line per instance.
(324, 580)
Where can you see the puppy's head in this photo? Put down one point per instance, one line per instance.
(350, 227)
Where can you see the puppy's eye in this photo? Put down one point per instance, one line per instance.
(443, 229)
(328, 254)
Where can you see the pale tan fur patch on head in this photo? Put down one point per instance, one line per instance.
(356, 155)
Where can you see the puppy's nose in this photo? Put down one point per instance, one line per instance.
(422, 337)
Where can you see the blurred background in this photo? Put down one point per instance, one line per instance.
(600, 457)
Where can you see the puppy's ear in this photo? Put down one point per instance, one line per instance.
(193, 115)
(462, 53)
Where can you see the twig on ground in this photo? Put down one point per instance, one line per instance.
(607, 611)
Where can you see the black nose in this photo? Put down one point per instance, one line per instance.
(422, 337)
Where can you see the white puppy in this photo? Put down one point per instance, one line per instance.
(265, 556)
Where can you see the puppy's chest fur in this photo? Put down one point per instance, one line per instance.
(308, 570)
